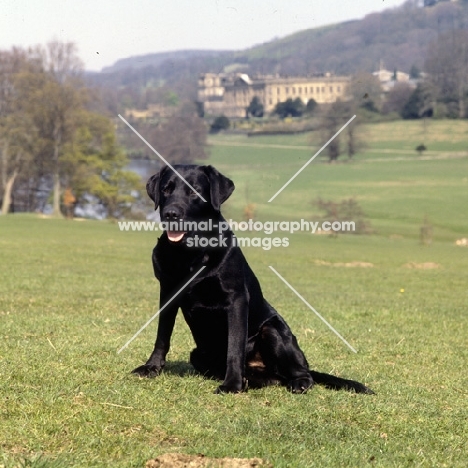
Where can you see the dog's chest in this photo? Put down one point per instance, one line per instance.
(209, 293)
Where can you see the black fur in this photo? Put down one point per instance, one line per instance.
(240, 338)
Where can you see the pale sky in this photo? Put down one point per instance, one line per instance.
(107, 30)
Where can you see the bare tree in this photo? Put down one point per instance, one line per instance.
(56, 99)
(447, 66)
(331, 121)
(366, 91)
(181, 138)
(397, 98)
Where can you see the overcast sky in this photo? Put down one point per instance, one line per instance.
(107, 30)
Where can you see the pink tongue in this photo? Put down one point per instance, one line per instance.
(175, 236)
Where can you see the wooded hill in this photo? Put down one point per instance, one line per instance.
(399, 38)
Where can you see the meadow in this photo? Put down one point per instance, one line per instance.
(72, 293)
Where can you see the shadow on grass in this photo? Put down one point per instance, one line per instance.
(180, 368)
(185, 369)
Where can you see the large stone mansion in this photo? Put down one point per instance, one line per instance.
(231, 94)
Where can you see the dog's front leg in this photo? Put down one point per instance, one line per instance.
(157, 360)
(234, 381)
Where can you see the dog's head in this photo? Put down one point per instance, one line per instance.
(177, 201)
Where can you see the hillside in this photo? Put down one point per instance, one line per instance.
(155, 60)
(399, 38)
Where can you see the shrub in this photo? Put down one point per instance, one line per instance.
(421, 148)
(220, 123)
(345, 210)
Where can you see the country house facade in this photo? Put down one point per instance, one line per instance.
(231, 94)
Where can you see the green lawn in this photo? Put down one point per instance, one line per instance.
(72, 293)
(396, 190)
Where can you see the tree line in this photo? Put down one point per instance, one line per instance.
(55, 139)
(51, 139)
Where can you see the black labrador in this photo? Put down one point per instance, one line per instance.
(240, 338)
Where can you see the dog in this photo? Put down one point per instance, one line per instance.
(240, 338)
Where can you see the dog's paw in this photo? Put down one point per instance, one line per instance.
(300, 386)
(147, 370)
(232, 388)
(225, 389)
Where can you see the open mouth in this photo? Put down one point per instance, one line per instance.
(175, 236)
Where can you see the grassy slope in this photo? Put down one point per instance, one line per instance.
(395, 189)
(72, 293)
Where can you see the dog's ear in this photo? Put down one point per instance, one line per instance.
(152, 187)
(220, 187)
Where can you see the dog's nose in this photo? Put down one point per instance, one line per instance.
(171, 215)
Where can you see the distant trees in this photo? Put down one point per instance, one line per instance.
(447, 67)
(55, 98)
(442, 91)
(311, 106)
(397, 98)
(17, 134)
(181, 139)
(255, 108)
(290, 108)
(220, 123)
(49, 139)
(420, 103)
(95, 164)
(414, 72)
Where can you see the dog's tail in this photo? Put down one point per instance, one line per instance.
(337, 383)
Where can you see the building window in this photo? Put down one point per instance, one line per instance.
(318, 89)
(278, 90)
(331, 89)
(287, 90)
(270, 101)
(305, 89)
(311, 90)
(338, 89)
(294, 90)
(300, 90)
(323, 89)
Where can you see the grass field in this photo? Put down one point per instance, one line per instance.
(72, 293)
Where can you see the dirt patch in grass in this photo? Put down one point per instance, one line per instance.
(423, 266)
(462, 242)
(180, 460)
(346, 265)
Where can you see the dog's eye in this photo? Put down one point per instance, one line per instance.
(167, 190)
